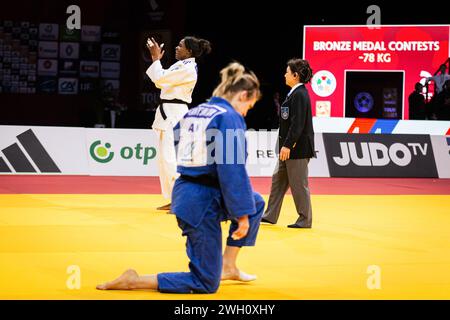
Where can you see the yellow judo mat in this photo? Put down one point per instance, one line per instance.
(360, 247)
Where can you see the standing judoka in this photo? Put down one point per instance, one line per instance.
(213, 186)
(177, 85)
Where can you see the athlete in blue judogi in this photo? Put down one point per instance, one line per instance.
(213, 186)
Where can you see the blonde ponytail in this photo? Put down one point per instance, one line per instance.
(234, 78)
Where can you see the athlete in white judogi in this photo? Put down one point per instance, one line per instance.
(177, 85)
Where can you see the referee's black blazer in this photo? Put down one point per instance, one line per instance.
(296, 126)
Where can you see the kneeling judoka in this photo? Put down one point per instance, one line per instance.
(213, 186)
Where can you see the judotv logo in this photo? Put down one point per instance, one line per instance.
(102, 152)
(369, 155)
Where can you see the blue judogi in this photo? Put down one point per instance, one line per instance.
(211, 147)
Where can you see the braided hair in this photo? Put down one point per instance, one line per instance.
(198, 47)
(302, 68)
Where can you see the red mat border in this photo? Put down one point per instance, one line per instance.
(27, 184)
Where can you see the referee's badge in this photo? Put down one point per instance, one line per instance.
(284, 113)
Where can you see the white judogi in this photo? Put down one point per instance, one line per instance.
(177, 82)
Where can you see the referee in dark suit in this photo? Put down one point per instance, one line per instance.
(296, 148)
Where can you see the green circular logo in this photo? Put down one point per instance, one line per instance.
(101, 153)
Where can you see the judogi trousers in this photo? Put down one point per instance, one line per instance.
(167, 162)
(204, 249)
(167, 159)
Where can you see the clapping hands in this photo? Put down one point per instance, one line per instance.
(156, 50)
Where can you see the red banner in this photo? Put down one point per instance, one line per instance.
(362, 71)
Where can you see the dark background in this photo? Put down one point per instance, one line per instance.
(262, 35)
(373, 83)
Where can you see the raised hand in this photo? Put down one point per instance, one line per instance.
(156, 50)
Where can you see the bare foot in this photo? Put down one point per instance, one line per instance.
(237, 275)
(124, 282)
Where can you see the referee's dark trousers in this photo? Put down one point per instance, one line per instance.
(291, 173)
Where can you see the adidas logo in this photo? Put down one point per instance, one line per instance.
(22, 162)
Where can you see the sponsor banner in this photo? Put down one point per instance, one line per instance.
(384, 126)
(366, 155)
(110, 86)
(69, 50)
(91, 33)
(110, 36)
(263, 155)
(441, 149)
(68, 67)
(111, 52)
(88, 85)
(337, 125)
(48, 49)
(68, 86)
(89, 69)
(122, 152)
(110, 70)
(70, 35)
(129, 152)
(361, 125)
(42, 150)
(47, 67)
(48, 31)
(90, 51)
(422, 127)
(318, 167)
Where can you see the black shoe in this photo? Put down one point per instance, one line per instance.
(267, 221)
(166, 207)
(294, 225)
